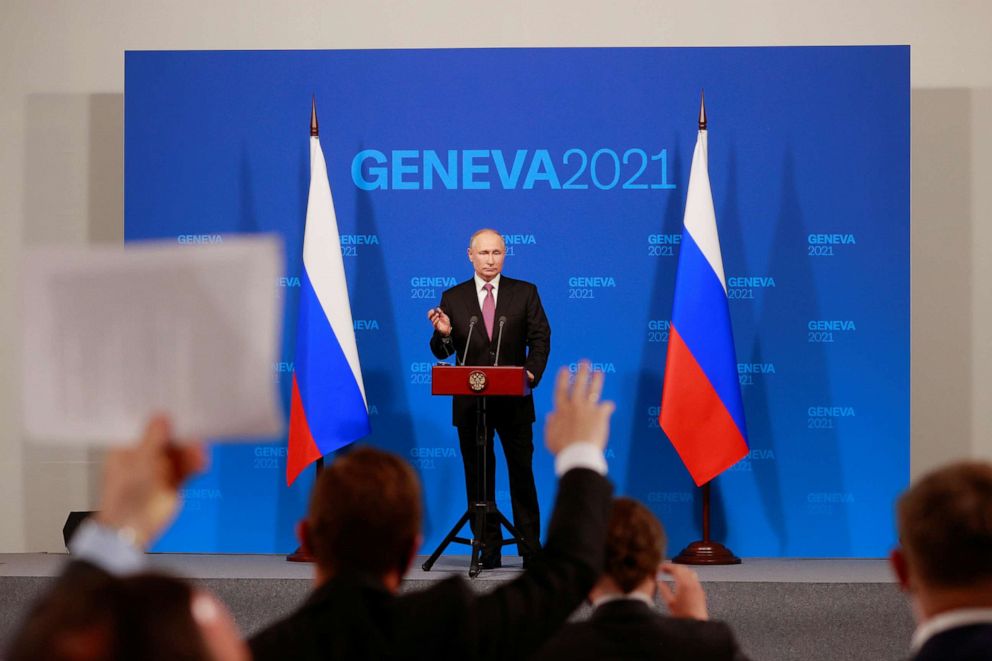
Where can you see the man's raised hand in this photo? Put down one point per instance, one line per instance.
(578, 415)
(141, 484)
(685, 598)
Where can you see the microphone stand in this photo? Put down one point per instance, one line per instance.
(471, 327)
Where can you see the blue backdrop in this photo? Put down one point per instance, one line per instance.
(581, 158)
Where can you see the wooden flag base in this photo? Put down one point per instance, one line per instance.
(706, 551)
(299, 555)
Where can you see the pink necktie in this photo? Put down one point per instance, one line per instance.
(489, 309)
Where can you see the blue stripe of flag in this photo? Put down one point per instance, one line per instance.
(332, 401)
(701, 314)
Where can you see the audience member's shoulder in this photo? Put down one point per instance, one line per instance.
(708, 637)
(343, 619)
(296, 635)
(574, 641)
(450, 598)
(657, 638)
(968, 643)
(283, 639)
(435, 622)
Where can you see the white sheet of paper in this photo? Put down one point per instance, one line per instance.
(112, 334)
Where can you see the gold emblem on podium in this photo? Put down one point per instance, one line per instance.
(477, 381)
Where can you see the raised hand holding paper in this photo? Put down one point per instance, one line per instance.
(113, 334)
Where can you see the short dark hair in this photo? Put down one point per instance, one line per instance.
(945, 524)
(91, 615)
(635, 543)
(75, 620)
(157, 622)
(365, 513)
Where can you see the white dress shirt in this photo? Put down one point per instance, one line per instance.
(480, 283)
(108, 548)
(580, 455)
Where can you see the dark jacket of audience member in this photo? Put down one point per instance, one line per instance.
(91, 615)
(623, 624)
(945, 561)
(363, 526)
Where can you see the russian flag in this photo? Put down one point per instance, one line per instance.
(701, 409)
(328, 408)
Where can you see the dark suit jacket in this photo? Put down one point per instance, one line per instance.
(630, 629)
(353, 617)
(968, 643)
(526, 342)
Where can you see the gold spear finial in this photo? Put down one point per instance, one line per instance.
(313, 117)
(702, 111)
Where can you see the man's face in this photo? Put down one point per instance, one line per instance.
(486, 254)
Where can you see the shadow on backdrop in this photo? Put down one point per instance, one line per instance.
(73, 195)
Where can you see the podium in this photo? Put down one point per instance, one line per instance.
(480, 382)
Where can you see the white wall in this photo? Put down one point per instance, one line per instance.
(61, 164)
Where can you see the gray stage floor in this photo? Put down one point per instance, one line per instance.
(200, 566)
(780, 609)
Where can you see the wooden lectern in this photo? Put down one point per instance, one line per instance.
(481, 382)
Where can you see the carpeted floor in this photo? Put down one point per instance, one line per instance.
(781, 609)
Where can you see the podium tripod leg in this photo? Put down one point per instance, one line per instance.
(447, 540)
(478, 535)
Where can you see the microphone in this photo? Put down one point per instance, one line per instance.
(471, 327)
(499, 340)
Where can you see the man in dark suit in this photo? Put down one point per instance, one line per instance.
(945, 561)
(363, 525)
(625, 623)
(496, 301)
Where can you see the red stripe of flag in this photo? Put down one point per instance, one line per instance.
(695, 420)
(303, 450)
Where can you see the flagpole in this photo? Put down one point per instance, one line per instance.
(706, 551)
(315, 133)
(301, 554)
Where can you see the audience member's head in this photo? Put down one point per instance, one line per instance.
(634, 558)
(166, 618)
(364, 516)
(93, 616)
(74, 622)
(945, 532)
(635, 545)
